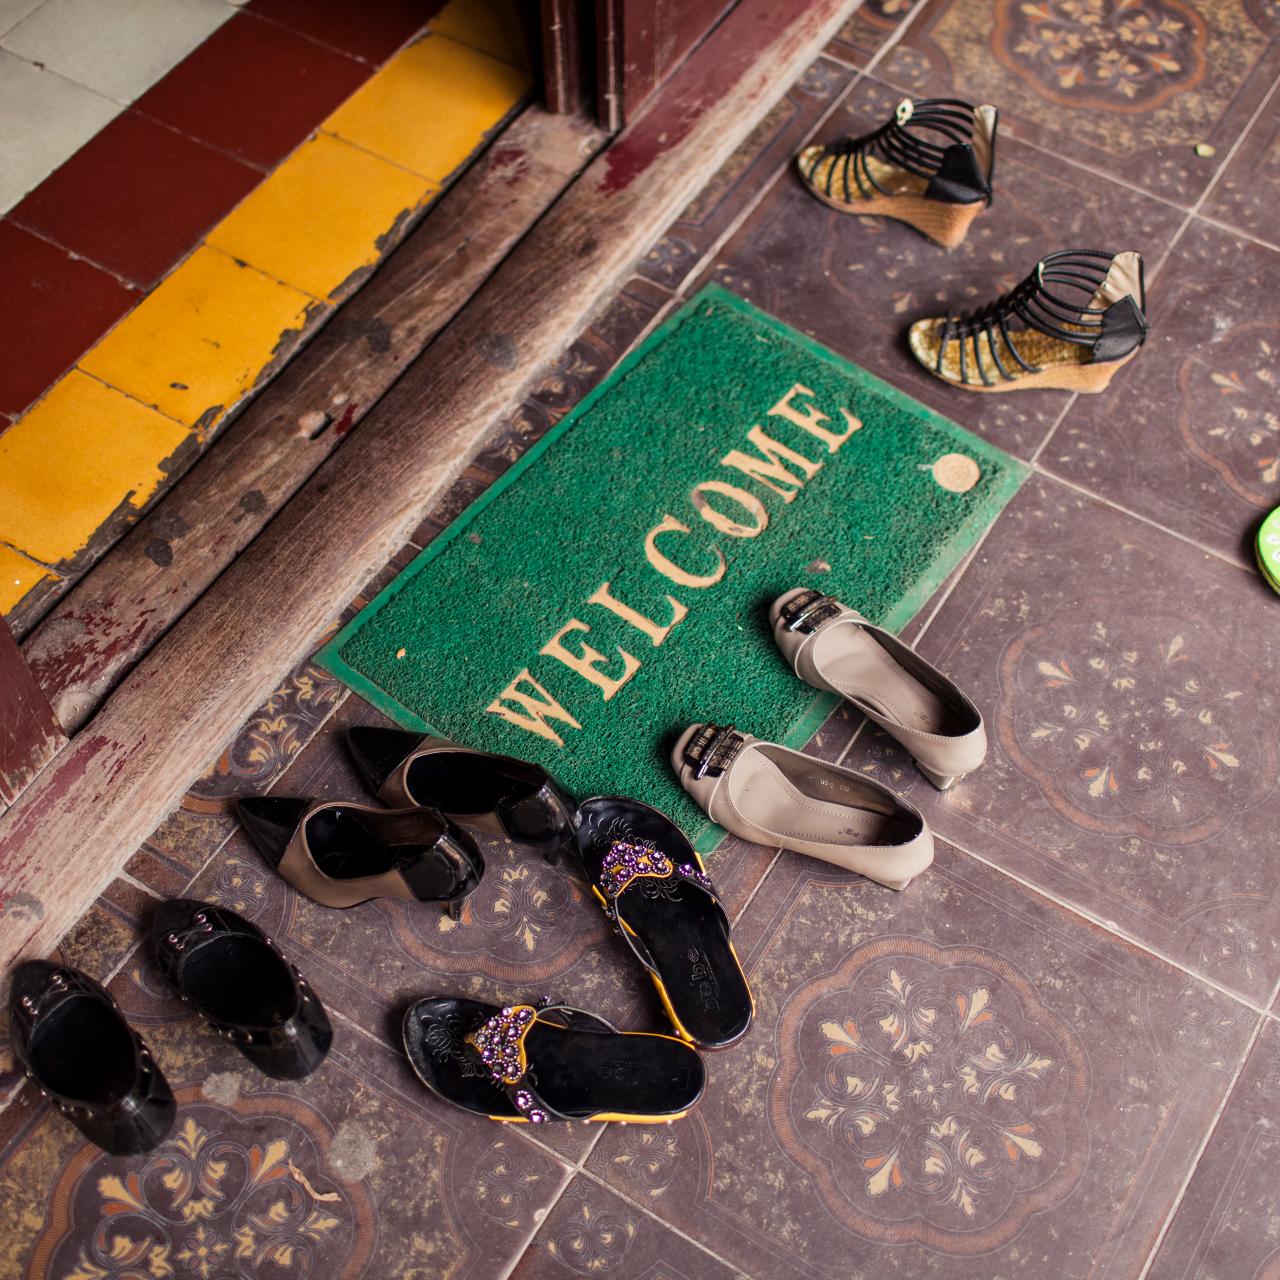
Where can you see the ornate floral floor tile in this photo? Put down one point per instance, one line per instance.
(1248, 188)
(1225, 1226)
(961, 1079)
(344, 1175)
(1133, 758)
(1189, 435)
(590, 1231)
(857, 284)
(769, 147)
(1130, 89)
(869, 28)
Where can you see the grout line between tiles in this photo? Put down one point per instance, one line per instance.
(702, 1248)
(1110, 927)
(76, 256)
(1195, 1164)
(1137, 515)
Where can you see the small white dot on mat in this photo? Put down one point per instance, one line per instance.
(956, 472)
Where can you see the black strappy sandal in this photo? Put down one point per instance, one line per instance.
(341, 854)
(236, 978)
(1076, 319)
(68, 1035)
(930, 165)
(530, 1063)
(497, 794)
(655, 890)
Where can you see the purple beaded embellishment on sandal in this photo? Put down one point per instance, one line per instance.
(696, 874)
(626, 860)
(500, 1043)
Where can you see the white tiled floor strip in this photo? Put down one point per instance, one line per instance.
(68, 67)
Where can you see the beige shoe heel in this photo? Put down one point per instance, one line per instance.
(943, 781)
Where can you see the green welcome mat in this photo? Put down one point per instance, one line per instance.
(612, 587)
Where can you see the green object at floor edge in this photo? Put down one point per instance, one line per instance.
(612, 586)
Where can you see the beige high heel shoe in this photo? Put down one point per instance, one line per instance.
(774, 796)
(930, 165)
(1076, 319)
(833, 647)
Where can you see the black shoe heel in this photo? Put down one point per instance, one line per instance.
(545, 819)
(236, 978)
(69, 1037)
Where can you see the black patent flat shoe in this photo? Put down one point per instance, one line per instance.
(341, 854)
(656, 892)
(498, 794)
(70, 1038)
(538, 1062)
(234, 976)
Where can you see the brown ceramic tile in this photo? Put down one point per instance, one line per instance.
(868, 29)
(958, 1080)
(372, 31)
(1188, 434)
(136, 198)
(55, 307)
(857, 284)
(349, 1173)
(1247, 192)
(768, 148)
(1133, 743)
(592, 1231)
(254, 89)
(1128, 91)
(1226, 1224)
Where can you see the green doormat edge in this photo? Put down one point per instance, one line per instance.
(1010, 475)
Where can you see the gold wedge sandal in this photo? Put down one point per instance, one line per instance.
(1076, 319)
(930, 166)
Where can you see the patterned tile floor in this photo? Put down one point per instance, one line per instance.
(1058, 1054)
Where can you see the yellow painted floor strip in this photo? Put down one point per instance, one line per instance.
(205, 336)
(201, 339)
(320, 216)
(18, 575)
(70, 462)
(430, 106)
(492, 26)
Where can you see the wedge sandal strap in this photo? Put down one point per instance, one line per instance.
(499, 1045)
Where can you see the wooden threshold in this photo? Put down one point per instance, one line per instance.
(73, 829)
(130, 598)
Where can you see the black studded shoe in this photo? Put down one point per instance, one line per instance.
(496, 794)
(70, 1038)
(929, 165)
(1076, 319)
(235, 977)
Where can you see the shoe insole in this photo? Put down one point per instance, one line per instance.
(813, 805)
(851, 659)
(678, 926)
(576, 1072)
(346, 845)
(236, 978)
(468, 781)
(83, 1051)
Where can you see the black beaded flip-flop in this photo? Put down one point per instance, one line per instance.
(656, 892)
(530, 1063)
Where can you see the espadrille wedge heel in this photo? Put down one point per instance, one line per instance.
(1076, 319)
(930, 166)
